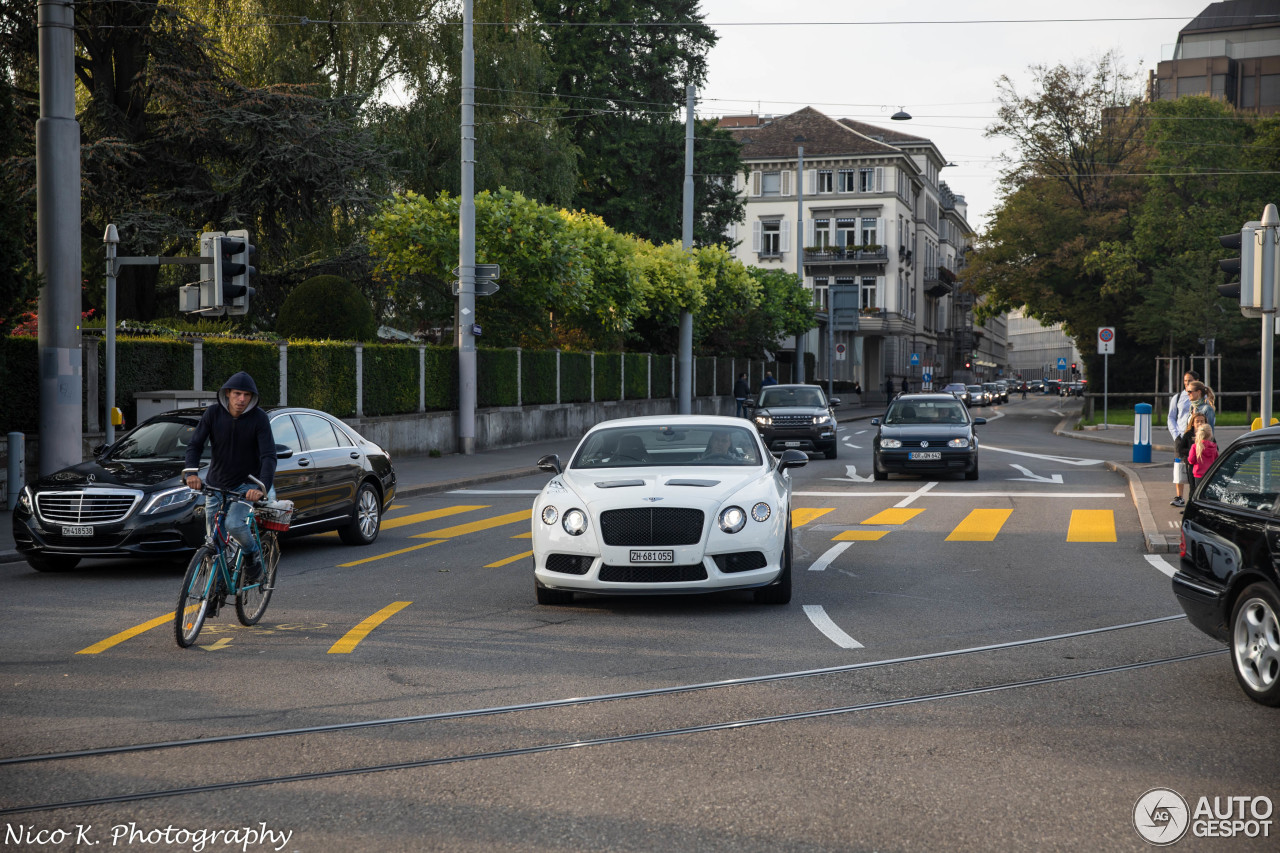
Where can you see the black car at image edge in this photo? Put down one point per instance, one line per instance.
(129, 500)
(1228, 578)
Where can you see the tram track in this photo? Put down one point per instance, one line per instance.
(539, 741)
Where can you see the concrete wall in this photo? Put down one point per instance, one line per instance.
(419, 434)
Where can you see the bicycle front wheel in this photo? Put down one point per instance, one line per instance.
(193, 601)
(251, 601)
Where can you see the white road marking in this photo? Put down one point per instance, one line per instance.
(1065, 460)
(1035, 478)
(1160, 563)
(850, 474)
(495, 492)
(823, 623)
(826, 559)
(861, 431)
(916, 494)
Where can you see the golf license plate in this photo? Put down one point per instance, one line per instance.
(790, 444)
(77, 530)
(925, 455)
(666, 556)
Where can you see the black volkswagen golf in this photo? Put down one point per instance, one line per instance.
(129, 500)
(1228, 578)
(927, 434)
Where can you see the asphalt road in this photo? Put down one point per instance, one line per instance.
(989, 665)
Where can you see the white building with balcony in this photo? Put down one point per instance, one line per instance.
(860, 213)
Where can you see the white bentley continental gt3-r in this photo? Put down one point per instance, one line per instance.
(666, 504)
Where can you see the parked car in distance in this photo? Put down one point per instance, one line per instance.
(796, 417)
(130, 501)
(665, 504)
(978, 396)
(1227, 580)
(928, 434)
(957, 390)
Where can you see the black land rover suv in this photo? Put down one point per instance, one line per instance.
(796, 417)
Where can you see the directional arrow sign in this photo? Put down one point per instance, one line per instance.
(1036, 478)
(489, 271)
(484, 287)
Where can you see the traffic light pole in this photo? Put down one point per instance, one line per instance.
(463, 332)
(1270, 223)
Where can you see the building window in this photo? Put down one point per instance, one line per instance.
(846, 232)
(848, 181)
(870, 232)
(820, 293)
(1192, 86)
(822, 234)
(771, 183)
(866, 180)
(1270, 90)
(826, 182)
(868, 292)
(771, 238)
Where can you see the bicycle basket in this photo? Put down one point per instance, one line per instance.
(275, 515)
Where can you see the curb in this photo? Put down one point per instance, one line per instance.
(1156, 541)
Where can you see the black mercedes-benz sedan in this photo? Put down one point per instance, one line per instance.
(1228, 578)
(129, 500)
(928, 434)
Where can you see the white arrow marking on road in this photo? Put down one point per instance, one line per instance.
(823, 623)
(1065, 460)
(1160, 563)
(827, 558)
(1035, 478)
(850, 473)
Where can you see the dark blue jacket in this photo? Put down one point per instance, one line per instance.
(240, 446)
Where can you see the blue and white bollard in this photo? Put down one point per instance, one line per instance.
(1142, 432)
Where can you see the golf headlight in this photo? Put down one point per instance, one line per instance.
(169, 499)
(732, 519)
(958, 442)
(890, 442)
(575, 522)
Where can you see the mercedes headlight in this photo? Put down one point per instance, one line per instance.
(732, 519)
(169, 499)
(25, 500)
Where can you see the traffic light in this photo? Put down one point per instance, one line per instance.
(1073, 367)
(236, 270)
(1244, 271)
(967, 365)
(211, 272)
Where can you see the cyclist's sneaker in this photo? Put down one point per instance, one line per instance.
(252, 568)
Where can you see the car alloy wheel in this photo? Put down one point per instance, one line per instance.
(1255, 643)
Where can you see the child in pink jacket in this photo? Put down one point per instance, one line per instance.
(1203, 452)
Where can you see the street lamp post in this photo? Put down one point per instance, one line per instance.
(800, 338)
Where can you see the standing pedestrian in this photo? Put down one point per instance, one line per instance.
(888, 388)
(857, 392)
(741, 391)
(1178, 421)
(768, 379)
(906, 389)
(1202, 453)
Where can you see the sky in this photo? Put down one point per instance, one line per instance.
(776, 57)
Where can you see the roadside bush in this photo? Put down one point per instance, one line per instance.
(327, 307)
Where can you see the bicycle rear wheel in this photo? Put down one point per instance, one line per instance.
(251, 601)
(193, 601)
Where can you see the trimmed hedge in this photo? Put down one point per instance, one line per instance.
(608, 375)
(575, 377)
(20, 381)
(636, 375)
(498, 366)
(390, 379)
(538, 377)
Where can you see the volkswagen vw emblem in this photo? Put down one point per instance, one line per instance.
(924, 444)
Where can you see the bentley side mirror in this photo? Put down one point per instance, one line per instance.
(551, 463)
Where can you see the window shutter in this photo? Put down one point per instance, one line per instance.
(737, 183)
(809, 233)
(879, 179)
(811, 182)
(786, 182)
(882, 236)
(733, 231)
(785, 240)
(755, 183)
(755, 234)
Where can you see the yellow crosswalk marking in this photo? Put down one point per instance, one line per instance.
(859, 536)
(1092, 525)
(528, 534)
(390, 554)
(359, 632)
(981, 525)
(117, 639)
(894, 515)
(477, 526)
(392, 523)
(804, 515)
(509, 560)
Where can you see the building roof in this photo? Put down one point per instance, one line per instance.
(822, 137)
(1234, 15)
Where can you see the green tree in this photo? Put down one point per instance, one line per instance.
(327, 307)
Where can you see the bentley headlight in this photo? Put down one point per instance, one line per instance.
(732, 519)
(890, 442)
(761, 511)
(575, 522)
(549, 515)
(169, 499)
(958, 442)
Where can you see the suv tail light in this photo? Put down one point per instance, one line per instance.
(1182, 543)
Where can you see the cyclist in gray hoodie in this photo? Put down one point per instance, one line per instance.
(240, 440)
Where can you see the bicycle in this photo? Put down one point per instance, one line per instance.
(217, 568)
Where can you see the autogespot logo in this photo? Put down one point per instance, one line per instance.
(1161, 816)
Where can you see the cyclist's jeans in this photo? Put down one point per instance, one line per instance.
(237, 522)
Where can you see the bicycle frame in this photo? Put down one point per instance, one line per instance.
(220, 541)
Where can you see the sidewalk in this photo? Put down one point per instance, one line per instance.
(1150, 485)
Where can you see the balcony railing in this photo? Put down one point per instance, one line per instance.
(836, 255)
